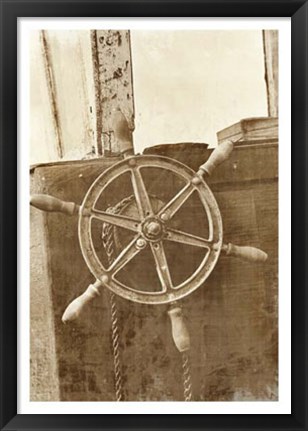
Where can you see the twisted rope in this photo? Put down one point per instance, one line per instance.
(187, 385)
(108, 242)
(117, 367)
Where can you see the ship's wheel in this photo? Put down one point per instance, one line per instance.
(151, 228)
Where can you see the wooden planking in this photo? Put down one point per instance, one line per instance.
(232, 319)
(44, 381)
(79, 82)
(239, 358)
(270, 47)
(70, 54)
(113, 85)
(62, 99)
(251, 131)
(243, 165)
(43, 135)
(52, 93)
(84, 363)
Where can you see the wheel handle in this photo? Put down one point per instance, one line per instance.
(149, 229)
(51, 204)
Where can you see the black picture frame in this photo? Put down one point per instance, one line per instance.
(10, 11)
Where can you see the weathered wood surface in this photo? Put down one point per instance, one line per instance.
(232, 319)
(271, 63)
(251, 131)
(113, 85)
(62, 96)
(42, 335)
(43, 135)
(243, 165)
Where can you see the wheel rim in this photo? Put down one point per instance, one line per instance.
(151, 229)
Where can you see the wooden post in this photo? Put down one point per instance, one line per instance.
(111, 55)
(52, 93)
(270, 46)
(62, 101)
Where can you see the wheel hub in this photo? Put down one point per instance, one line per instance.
(152, 229)
(148, 225)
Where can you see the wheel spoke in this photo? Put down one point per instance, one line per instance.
(124, 257)
(187, 238)
(141, 194)
(161, 265)
(116, 219)
(177, 201)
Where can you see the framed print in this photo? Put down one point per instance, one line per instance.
(150, 151)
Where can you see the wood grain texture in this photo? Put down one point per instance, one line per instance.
(44, 382)
(62, 99)
(251, 131)
(271, 63)
(112, 62)
(43, 135)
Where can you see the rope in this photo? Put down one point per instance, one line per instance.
(187, 385)
(108, 242)
(117, 367)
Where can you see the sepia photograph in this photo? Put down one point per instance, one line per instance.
(153, 164)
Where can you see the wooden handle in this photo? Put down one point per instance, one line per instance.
(75, 308)
(52, 204)
(252, 254)
(179, 329)
(218, 156)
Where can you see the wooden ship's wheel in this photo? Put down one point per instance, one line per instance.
(148, 222)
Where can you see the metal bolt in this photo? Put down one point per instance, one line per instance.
(84, 212)
(196, 180)
(104, 279)
(164, 217)
(132, 162)
(140, 243)
(153, 228)
(215, 247)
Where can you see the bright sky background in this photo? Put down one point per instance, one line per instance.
(188, 85)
